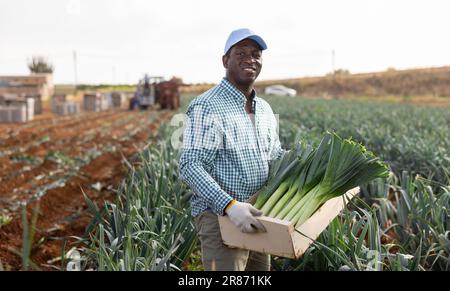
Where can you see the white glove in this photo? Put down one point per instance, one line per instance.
(243, 216)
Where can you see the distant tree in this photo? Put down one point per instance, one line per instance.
(40, 64)
(342, 72)
(339, 72)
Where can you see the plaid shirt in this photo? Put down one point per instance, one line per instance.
(225, 155)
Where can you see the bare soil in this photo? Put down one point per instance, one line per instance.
(50, 161)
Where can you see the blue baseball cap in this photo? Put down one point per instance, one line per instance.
(241, 34)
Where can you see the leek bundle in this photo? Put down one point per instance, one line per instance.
(306, 178)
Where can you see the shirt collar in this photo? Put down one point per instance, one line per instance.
(234, 92)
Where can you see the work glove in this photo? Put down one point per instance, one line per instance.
(243, 216)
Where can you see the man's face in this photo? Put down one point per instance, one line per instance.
(243, 62)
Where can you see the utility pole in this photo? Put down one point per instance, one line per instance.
(75, 69)
(333, 56)
(335, 85)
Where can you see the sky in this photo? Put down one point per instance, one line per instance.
(117, 41)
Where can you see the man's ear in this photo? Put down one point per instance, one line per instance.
(225, 59)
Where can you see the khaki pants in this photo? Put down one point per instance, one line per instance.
(218, 257)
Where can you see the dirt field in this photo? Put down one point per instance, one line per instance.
(50, 159)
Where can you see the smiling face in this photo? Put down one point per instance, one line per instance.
(243, 62)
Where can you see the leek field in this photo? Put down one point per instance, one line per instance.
(401, 222)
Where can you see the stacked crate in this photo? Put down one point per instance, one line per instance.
(61, 106)
(16, 109)
(13, 113)
(57, 99)
(95, 102)
(118, 99)
(37, 103)
(29, 103)
(67, 107)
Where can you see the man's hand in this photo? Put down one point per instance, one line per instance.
(243, 216)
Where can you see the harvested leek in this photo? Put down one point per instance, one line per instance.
(306, 178)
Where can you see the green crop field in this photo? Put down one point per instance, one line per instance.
(398, 223)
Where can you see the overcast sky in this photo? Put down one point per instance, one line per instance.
(120, 40)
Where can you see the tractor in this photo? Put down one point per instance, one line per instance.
(154, 90)
(168, 95)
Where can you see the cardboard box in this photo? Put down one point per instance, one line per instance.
(281, 238)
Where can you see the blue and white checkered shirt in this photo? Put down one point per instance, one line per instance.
(225, 156)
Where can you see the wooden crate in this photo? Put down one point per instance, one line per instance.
(13, 113)
(67, 108)
(95, 102)
(37, 103)
(30, 108)
(15, 105)
(281, 238)
(57, 99)
(118, 99)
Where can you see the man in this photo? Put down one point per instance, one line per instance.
(230, 137)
